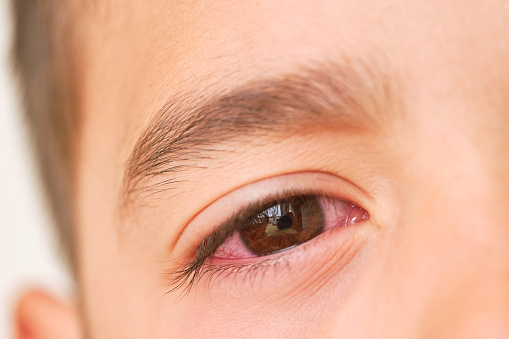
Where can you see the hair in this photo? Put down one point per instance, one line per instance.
(44, 50)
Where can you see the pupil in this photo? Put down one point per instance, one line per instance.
(283, 225)
(284, 222)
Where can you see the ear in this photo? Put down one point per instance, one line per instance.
(41, 316)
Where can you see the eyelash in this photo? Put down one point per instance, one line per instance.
(189, 273)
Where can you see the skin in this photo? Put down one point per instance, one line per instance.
(432, 261)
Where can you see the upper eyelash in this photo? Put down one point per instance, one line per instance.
(189, 273)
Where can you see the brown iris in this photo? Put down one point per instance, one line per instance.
(283, 225)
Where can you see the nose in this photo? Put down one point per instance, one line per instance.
(455, 250)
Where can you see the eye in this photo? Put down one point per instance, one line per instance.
(288, 223)
(270, 221)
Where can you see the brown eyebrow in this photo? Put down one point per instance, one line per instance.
(185, 130)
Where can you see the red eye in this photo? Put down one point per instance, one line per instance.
(288, 223)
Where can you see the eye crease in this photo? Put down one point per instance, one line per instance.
(263, 229)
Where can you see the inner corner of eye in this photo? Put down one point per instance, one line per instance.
(287, 223)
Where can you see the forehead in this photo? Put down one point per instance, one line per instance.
(149, 48)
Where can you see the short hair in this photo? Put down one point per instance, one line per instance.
(43, 57)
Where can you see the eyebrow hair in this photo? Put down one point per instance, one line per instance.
(189, 127)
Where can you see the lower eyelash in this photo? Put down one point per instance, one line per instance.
(210, 273)
(189, 276)
(251, 271)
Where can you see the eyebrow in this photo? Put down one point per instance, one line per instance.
(189, 127)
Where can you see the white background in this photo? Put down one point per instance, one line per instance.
(27, 248)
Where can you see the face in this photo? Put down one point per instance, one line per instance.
(294, 169)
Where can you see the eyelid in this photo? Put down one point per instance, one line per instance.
(218, 212)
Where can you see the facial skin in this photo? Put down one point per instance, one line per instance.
(415, 133)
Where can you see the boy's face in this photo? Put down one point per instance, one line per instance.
(193, 112)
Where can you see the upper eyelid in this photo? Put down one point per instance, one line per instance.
(306, 182)
(336, 92)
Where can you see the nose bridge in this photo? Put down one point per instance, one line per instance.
(456, 238)
(458, 196)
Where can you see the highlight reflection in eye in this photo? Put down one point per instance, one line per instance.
(266, 228)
